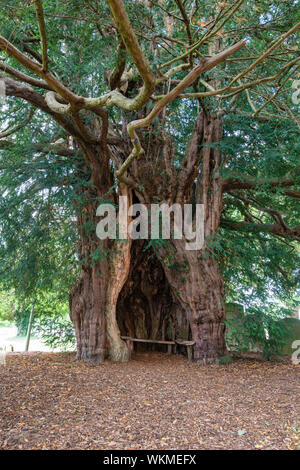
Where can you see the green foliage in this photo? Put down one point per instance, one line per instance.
(225, 360)
(54, 310)
(7, 306)
(51, 321)
(260, 268)
(257, 329)
(55, 331)
(21, 319)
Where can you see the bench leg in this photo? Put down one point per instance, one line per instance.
(129, 347)
(190, 353)
(169, 349)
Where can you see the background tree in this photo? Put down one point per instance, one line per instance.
(159, 101)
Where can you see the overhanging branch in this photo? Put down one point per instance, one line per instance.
(203, 66)
(23, 77)
(42, 29)
(247, 182)
(22, 124)
(25, 92)
(275, 229)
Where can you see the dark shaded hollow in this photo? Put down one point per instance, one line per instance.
(146, 308)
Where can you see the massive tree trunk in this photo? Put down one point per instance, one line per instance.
(87, 312)
(194, 277)
(201, 293)
(105, 267)
(166, 292)
(197, 284)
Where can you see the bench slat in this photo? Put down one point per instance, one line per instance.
(184, 343)
(147, 340)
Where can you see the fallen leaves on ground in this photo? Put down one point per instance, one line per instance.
(155, 401)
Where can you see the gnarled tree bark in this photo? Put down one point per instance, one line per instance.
(105, 267)
(194, 277)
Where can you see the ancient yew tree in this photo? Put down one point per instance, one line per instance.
(162, 101)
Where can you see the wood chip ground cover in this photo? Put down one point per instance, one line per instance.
(155, 401)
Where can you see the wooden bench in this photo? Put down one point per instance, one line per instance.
(129, 342)
(188, 344)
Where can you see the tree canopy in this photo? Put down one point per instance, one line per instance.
(139, 66)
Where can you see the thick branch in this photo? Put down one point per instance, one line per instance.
(185, 19)
(14, 129)
(249, 201)
(132, 45)
(53, 104)
(23, 77)
(192, 157)
(275, 229)
(248, 182)
(240, 87)
(115, 77)
(20, 90)
(36, 68)
(42, 29)
(203, 66)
